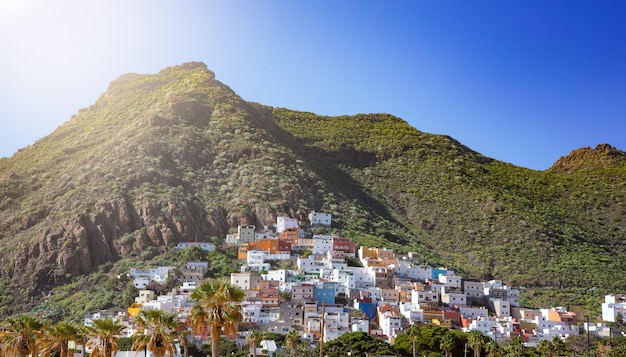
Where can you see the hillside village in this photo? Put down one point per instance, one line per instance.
(335, 287)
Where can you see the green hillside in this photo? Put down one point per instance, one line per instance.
(178, 156)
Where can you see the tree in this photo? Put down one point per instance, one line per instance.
(182, 339)
(476, 341)
(516, 346)
(357, 344)
(156, 331)
(292, 341)
(447, 343)
(129, 294)
(491, 349)
(217, 307)
(58, 336)
(413, 334)
(103, 335)
(544, 348)
(254, 339)
(21, 335)
(558, 346)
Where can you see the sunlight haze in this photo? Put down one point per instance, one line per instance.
(521, 82)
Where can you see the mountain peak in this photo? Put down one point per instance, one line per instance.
(584, 159)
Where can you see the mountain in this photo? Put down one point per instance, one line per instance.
(587, 159)
(178, 156)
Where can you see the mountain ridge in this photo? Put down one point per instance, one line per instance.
(177, 155)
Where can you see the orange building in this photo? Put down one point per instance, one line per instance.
(242, 252)
(292, 234)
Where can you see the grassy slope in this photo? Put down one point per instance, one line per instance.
(181, 137)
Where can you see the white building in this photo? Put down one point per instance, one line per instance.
(427, 297)
(474, 289)
(311, 265)
(412, 313)
(453, 296)
(281, 275)
(344, 279)
(320, 219)
(322, 244)
(284, 223)
(360, 325)
(418, 273)
(143, 277)
(390, 323)
(209, 247)
(451, 281)
(482, 324)
(501, 307)
(613, 306)
(362, 277)
(473, 312)
(335, 325)
(513, 297)
(251, 311)
(547, 329)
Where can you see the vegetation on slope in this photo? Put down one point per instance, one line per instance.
(178, 156)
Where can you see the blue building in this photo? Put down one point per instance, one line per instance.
(437, 271)
(325, 293)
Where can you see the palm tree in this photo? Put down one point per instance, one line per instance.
(516, 346)
(103, 336)
(447, 343)
(558, 346)
(413, 332)
(544, 347)
(292, 340)
(254, 339)
(182, 339)
(216, 308)
(476, 340)
(58, 336)
(21, 335)
(156, 331)
(491, 349)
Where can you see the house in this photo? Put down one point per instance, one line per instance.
(292, 312)
(284, 223)
(145, 296)
(246, 281)
(473, 289)
(303, 292)
(501, 307)
(322, 244)
(325, 293)
(346, 245)
(389, 320)
(453, 296)
(320, 219)
(269, 293)
(143, 277)
(614, 306)
(194, 271)
(245, 234)
(267, 348)
(209, 247)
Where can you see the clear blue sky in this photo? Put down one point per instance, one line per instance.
(523, 82)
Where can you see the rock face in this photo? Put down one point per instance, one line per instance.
(601, 157)
(115, 230)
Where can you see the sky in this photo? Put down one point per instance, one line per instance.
(523, 82)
